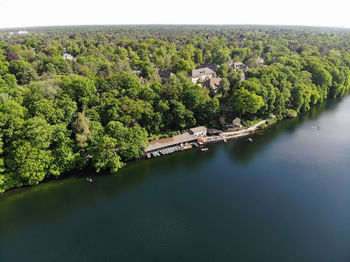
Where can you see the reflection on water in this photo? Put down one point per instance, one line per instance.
(245, 152)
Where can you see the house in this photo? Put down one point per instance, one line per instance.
(198, 131)
(240, 65)
(201, 74)
(225, 123)
(211, 66)
(165, 75)
(67, 56)
(236, 123)
(212, 83)
(228, 124)
(214, 132)
(259, 61)
(136, 72)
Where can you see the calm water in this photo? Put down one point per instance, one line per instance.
(284, 197)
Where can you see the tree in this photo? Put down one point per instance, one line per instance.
(10, 80)
(180, 64)
(80, 89)
(12, 56)
(105, 155)
(220, 55)
(130, 141)
(29, 162)
(82, 131)
(246, 101)
(63, 150)
(23, 71)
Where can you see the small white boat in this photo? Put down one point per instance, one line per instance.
(250, 139)
(89, 179)
(204, 149)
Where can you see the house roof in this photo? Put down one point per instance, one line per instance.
(211, 66)
(67, 56)
(171, 141)
(198, 129)
(236, 121)
(260, 61)
(202, 71)
(165, 74)
(213, 83)
(239, 64)
(213, 131)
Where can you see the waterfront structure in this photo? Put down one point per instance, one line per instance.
(236, 123)
(228, 123)
(176, 143)
(198, 131)
(214, 132)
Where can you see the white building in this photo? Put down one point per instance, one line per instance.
(240, 65)
(202, 74)
(67, 56)
(19, 33)
(259, 61)
(198, 131)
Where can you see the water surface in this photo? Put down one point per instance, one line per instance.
(284, 197)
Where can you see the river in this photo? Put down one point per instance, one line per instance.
(283, 197)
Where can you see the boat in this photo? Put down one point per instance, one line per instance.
(250, 139)
(204, 149)
(89, 179)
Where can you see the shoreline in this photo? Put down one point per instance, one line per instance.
(202, 140)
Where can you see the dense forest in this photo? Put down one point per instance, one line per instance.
(102, 105)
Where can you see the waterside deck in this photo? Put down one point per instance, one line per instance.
(185, 141)
(178, 141)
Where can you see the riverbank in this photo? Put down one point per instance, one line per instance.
(189, 139)
(238, 134)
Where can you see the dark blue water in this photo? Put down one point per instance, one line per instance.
(284, 197)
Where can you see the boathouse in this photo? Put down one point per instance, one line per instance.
(176, 143)
(198, 131)
(178, 140)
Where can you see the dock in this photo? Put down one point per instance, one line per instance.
(170, 145)
(195, 137)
